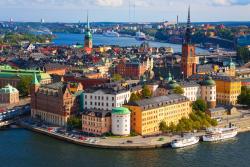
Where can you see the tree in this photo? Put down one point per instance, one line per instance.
(244, 97)
(163, 126)
(179, 90)
(199, 105)
(243, 53)
(24, 85)
(134, 97)
(74, 122)
(117, 77)
(146, 92)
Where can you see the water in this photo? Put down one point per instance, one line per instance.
(71, 39)
(22, 148)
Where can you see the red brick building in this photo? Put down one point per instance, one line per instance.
(54, 103)
(133, 70)
(189, 60)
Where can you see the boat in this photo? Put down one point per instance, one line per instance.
(185, 141)
(111, 34)
(218, 134)
(140, 36)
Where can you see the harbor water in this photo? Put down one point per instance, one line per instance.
(22, 148)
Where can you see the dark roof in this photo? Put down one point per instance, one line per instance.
(97, 113)
(156, 102)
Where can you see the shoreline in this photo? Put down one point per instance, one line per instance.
(119, 143)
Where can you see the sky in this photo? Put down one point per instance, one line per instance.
(124, 10)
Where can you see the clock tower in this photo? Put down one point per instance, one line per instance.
(189, 60)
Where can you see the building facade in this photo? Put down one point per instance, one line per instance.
(54, 103)
(189, 60)
(228, 89)
(9, 95)
(208, 92)
(120, 121)
(147, 114)
(11, 76)
(88, 44)
(96, 122)
(105, 98)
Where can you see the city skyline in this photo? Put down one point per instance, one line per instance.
(125, 11)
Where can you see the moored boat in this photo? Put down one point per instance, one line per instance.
(217, 134)
(185, 141)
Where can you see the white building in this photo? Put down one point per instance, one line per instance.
(208, 92)
(192, 90)
(105, 98)
(120, 121)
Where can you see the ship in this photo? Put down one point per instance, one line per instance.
(218, 134)
(111, 34)
(140, 36)
(185, 141)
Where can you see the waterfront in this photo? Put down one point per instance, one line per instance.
(71, 39)
(23, 148)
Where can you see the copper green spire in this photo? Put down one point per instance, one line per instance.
(35, 80)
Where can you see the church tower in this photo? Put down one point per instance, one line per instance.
(33, 90)
(88, 45)
(189, 59)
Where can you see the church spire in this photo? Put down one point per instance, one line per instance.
(187, 39)
(88, 27)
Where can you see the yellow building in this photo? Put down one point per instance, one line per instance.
(147, 114)
(227, 89)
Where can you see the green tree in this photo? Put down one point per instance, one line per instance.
(199, 105)
(243, 53)
(134, 97)
(146, 92)
(163, 126)
(24, 85)
(74, 123)
(117, 77)
(178, 90)
(244, 97)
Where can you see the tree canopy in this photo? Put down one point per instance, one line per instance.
(146, 92)
(117, 77)
(244, 97)
(199, 105)
(197, 120)
(134, 97)
(74, 123)
(178, 90)
(24, 85)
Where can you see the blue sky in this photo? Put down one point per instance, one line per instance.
(118, 10)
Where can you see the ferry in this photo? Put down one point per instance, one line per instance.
(111, 34)
(185, 141)
(140, 36)
(218, 134)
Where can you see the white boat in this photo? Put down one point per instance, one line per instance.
(185, 141)
(111, 34)
(140, 36)
(217, 134)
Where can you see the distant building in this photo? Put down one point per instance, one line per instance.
(189, 60)
(120, 121)
(12, 76)
(208, 92)
(88, 44)
(133, 70)
(147, 114)
(55, 68)
(227, 89)
(9, 95)
(106, 97)
(55, 103)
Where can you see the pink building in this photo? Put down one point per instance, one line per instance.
(96, 122)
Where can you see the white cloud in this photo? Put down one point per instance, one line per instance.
(109, 3)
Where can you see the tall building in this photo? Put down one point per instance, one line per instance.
(147, 114)
(55, 103)
(189, 59)
(88, 45)
(9, 95)
(208, 92)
